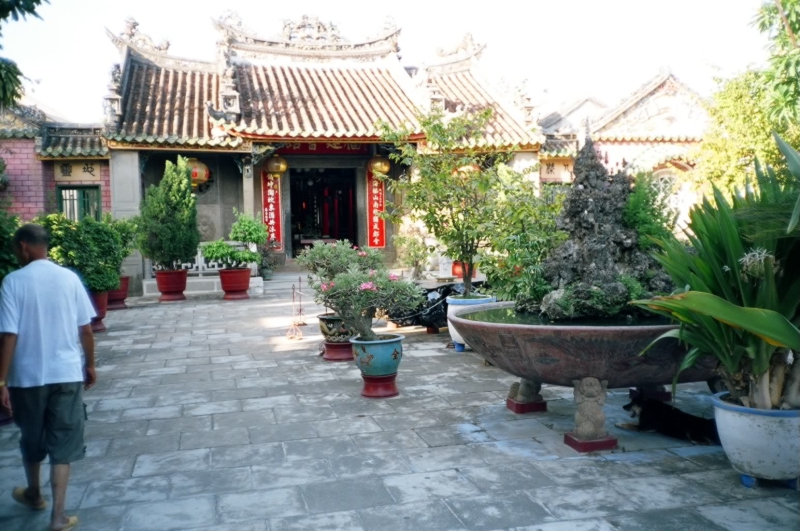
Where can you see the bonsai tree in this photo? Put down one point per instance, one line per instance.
(412, 251)
(269, 258)
(358, 297)
(248, 233)
(455, 183)
(167, 232)
(327, 260)
(742, 289)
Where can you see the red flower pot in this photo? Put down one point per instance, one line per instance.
(235, 283)
(171, 284)
(458, 270)
(100, 303)
(116, 298)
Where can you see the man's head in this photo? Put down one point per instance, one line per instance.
(30, 243)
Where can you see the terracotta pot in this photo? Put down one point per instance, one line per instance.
(100, 303)
(458, 270)
(171, 284)
(116, 298)
(235, 283)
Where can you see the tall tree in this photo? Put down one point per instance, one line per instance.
(780, 20)
(10, 75)
(740, 131)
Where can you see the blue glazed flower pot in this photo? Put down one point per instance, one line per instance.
(378, 361)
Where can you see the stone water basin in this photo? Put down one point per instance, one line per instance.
(590, 356)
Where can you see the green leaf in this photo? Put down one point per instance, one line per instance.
(793, 162)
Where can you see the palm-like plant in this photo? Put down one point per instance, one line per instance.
(742, 290)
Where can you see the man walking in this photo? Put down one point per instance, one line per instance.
(45, 317)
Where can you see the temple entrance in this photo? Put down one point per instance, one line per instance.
(323, 206)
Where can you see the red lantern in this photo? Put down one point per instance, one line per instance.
(200, 172)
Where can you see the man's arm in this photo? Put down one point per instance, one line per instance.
(87, 342)
(8, 342)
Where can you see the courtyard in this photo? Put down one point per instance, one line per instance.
(206, 417)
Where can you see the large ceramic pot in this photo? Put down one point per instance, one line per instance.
(337, 338)
(116, 298)
(171, 284)
(235, 283)
(100, 303)
(456, 304)
(760, 443)
(378, 361)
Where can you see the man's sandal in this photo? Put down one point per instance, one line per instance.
(72, 521)
(19, 496)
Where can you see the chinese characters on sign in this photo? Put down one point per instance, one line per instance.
(76, 171)
(327, 148)
(271, 191)
(376, 226)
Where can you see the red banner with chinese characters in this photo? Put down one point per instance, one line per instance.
(271, 191)
(376, 226)
(324, 148)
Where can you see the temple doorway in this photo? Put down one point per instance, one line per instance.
(323, 206)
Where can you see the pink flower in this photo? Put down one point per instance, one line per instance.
(372, 272)
(392, 276)
(362, 253)
(368, 286)
(326, 286)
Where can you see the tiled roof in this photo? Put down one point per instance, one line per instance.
(65, 141)
(321, 102)
(635, 137)
(168, 106)
(462, 88)
(559, 147)
(18, 133)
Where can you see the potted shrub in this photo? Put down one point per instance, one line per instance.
(269, 259)
(126, 230)
(8, 261)
(740, 305)
(324, 261)
(454, 191)
(167, 232)
(247, 233)
(358, 297)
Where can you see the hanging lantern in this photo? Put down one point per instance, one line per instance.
(199, 172)
(378, 164)
(277, 165)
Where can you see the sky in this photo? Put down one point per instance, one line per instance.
(568, 48)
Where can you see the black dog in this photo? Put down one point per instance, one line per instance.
(670, 421)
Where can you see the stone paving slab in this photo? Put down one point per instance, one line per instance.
(207, 418)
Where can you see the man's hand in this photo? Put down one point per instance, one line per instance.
(5, 401)
(90, 378)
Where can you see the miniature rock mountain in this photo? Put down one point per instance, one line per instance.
(600, 267)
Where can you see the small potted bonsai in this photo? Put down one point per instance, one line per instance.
(741, 305)
(324, 261)
(126, 229)
(167, 231)
(358, 297)
(247, 233)
(269, 259)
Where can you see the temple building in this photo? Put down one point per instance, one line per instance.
(288, 129)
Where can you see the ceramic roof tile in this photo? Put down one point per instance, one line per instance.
(71, 142)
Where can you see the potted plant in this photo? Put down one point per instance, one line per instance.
(324, 261)
(358, 297)
(126, 229)
(167, 232)
(93, 250)
(740, 305)
(247, 233)
(269, 259)
(454, 190)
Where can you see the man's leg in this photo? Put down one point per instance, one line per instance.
(29, 404)
(59, 477)
(34, 491)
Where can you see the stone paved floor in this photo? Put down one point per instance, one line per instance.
(206, 417)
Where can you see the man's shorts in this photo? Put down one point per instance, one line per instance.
(51, 418)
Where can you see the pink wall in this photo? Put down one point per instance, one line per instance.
(25, 173)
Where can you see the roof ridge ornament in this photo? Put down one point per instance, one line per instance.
(309, 29)
(467, 48)
(131, 36)
(112, 104)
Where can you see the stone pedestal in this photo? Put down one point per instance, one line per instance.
(524, 397)
(520, 408)
(380, 386)
(590, 433)
(594, 445)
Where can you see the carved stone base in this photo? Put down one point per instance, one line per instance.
(594, 445)
(379, 386)
(338, 352)
(520, 408)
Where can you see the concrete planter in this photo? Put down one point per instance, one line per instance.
(760, 443)
(456, 304)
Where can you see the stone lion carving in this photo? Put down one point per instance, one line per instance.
(207, 228)
(590, 395)
(525, 391)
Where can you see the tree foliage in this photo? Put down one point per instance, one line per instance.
(648, 212)
(8, 225)
(739, 132)
(780, 20)
(168, 233)
(454, 185)
(10, 74)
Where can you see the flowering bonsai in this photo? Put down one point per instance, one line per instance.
(247, 232)
(359, 296)
(326, 260)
